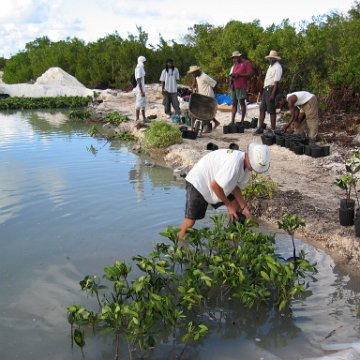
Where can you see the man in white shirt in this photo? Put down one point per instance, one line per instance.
(218, 178)
(140, 102)
(204, 85)
(169, 78)
(270, 90)
(305, 121)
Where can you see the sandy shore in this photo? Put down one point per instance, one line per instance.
(305, 184)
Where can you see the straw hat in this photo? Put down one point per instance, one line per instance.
(273, 55)
(193, 68)
(259, 157)
(236, 54)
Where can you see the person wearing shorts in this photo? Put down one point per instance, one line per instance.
(270, 90)
(240, 74)
(217, 179)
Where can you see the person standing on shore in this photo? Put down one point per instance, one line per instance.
(140, 103)
(217, 179)
(169, 78)
(270, 90)
(240, 74)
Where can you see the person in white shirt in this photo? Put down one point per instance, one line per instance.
(270, 90)
(169, 78)
(140, 102)
(218, 178)
(304, 109)
(204, 85)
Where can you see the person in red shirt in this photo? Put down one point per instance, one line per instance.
(240, 74)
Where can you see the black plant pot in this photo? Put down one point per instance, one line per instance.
(346, 217)
(254, 123)
(247, 124)
(280, 140)
(225, 129)
(298, 148)
(316, 151)
(267, 140)
(234, 146)
(326, 150)
(307, 150)
(347, 203)
(357, 226)
(233, 128)
(189, 134)
(240, 127)
(211, 146)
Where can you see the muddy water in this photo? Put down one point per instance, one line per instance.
(71, 204)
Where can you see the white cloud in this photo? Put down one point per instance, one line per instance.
(22, 21)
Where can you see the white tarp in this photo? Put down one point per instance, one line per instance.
(54, 82)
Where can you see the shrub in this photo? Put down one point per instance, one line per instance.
(161, 134)
(115, 118)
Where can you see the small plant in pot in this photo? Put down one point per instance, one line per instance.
(348, 182)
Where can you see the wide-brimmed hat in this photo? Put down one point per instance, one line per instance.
(236, 54)
(273, 55)
(259, 157)
(193, 68)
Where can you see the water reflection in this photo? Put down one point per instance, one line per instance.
(145, 170)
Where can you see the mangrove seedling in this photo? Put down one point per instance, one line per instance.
(290, 223)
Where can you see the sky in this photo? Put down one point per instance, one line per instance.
(22, 21)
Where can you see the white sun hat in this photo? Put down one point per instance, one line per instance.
(259, 157)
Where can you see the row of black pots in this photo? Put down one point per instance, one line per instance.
(239, 126)
(299, 144)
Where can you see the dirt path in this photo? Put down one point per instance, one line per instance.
(305, 185)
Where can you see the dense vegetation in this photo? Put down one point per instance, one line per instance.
(321, 56)
(60, 102)
(175, 292)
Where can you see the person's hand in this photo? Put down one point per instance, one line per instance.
(142, 94)
(294, 125)
(272, 97)
(232, 213)
(246, 212)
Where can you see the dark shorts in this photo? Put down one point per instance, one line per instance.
(266, 104)
(196, 205)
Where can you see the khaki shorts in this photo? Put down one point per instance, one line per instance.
(238, 94)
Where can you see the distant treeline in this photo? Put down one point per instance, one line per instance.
(322, 56)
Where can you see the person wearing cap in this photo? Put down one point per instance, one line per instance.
(270, 90)
(304, 109)
(240, 74)
(218, 179)
(169, 78)
(204, 85)
(140, 102)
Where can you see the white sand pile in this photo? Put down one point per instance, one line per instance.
(54, 82)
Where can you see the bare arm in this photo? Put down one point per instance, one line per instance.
(294, 111)
(241, 201)
(218, 190)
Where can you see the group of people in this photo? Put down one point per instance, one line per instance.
(219, 177)
(302, 105)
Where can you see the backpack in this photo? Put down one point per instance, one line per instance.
(133, 81)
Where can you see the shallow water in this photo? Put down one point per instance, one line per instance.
(71, 204)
